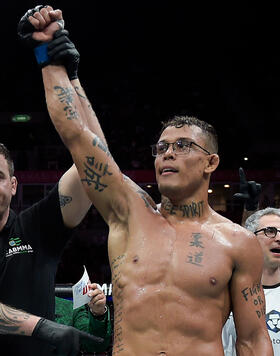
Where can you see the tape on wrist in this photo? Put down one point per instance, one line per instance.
(41, 54)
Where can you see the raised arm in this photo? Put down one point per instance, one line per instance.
(36, 27)
(100, 175)
(248, 301)
(62, 50)
(249, 195)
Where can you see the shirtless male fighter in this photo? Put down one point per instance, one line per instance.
(178, 271)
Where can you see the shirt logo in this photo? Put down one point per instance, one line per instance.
(273, 321)
(14, 241)
(16, 247)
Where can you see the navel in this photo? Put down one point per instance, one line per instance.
(135, 259)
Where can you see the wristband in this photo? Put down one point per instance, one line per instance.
(41, 54)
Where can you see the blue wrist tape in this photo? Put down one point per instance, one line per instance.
(41, 53)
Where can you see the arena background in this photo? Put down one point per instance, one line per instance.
(141, 62)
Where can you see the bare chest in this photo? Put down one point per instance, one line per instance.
(190, 261)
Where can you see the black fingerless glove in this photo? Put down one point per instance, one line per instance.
(58, 51)
(62, 51)
(65, 338)
(25, 29)
(249, 192)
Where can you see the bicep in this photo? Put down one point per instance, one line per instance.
(248, 301)
(100, 176)
(73, 200)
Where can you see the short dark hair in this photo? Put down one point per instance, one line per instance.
(7, 155)
(207, 129)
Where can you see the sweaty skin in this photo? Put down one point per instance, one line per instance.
(164, 262)
(171, 284)
(178, 270)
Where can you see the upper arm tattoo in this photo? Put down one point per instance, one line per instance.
(100, 144)
(94, 171)
(64, 200)
(252, 294)
(145, 196)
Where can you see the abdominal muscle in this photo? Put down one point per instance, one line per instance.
(161, 321)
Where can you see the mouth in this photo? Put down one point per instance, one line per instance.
(167, 171)
(276, 251)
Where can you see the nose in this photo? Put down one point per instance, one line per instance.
(169, 153)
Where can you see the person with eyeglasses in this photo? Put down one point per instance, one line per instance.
(265, 224)
(177, 271)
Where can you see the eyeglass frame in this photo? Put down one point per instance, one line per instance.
(174, 150)
(268, 227)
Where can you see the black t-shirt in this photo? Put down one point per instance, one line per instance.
(31, 245)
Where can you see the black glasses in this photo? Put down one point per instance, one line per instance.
(269, 231)
(180, 147)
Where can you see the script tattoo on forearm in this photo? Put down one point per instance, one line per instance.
(118, 305)
(196, 254)
(10, 320)
(94, 171)
(82, 96)
(64, 200)
(65, 96)
(186, 210)
(77, 89)
(253, 294)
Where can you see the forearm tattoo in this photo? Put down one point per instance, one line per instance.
(77, 89)
(252, 295)
(64, 200)
(195, 256)
(10, 320)
(82, 96)
(185, 210)
(65, 96)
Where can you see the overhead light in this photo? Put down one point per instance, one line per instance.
(210, 191)
(149, 186)
(21, 118)
(226, 185)
(245, 158)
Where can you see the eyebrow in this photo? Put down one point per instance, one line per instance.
(179, 138)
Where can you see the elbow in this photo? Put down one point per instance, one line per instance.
(258, 341)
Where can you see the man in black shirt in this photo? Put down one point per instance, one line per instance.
(31, 245)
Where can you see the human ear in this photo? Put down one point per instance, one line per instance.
(14, 185)
(213, 162)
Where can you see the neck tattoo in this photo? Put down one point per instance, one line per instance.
(184, 210)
